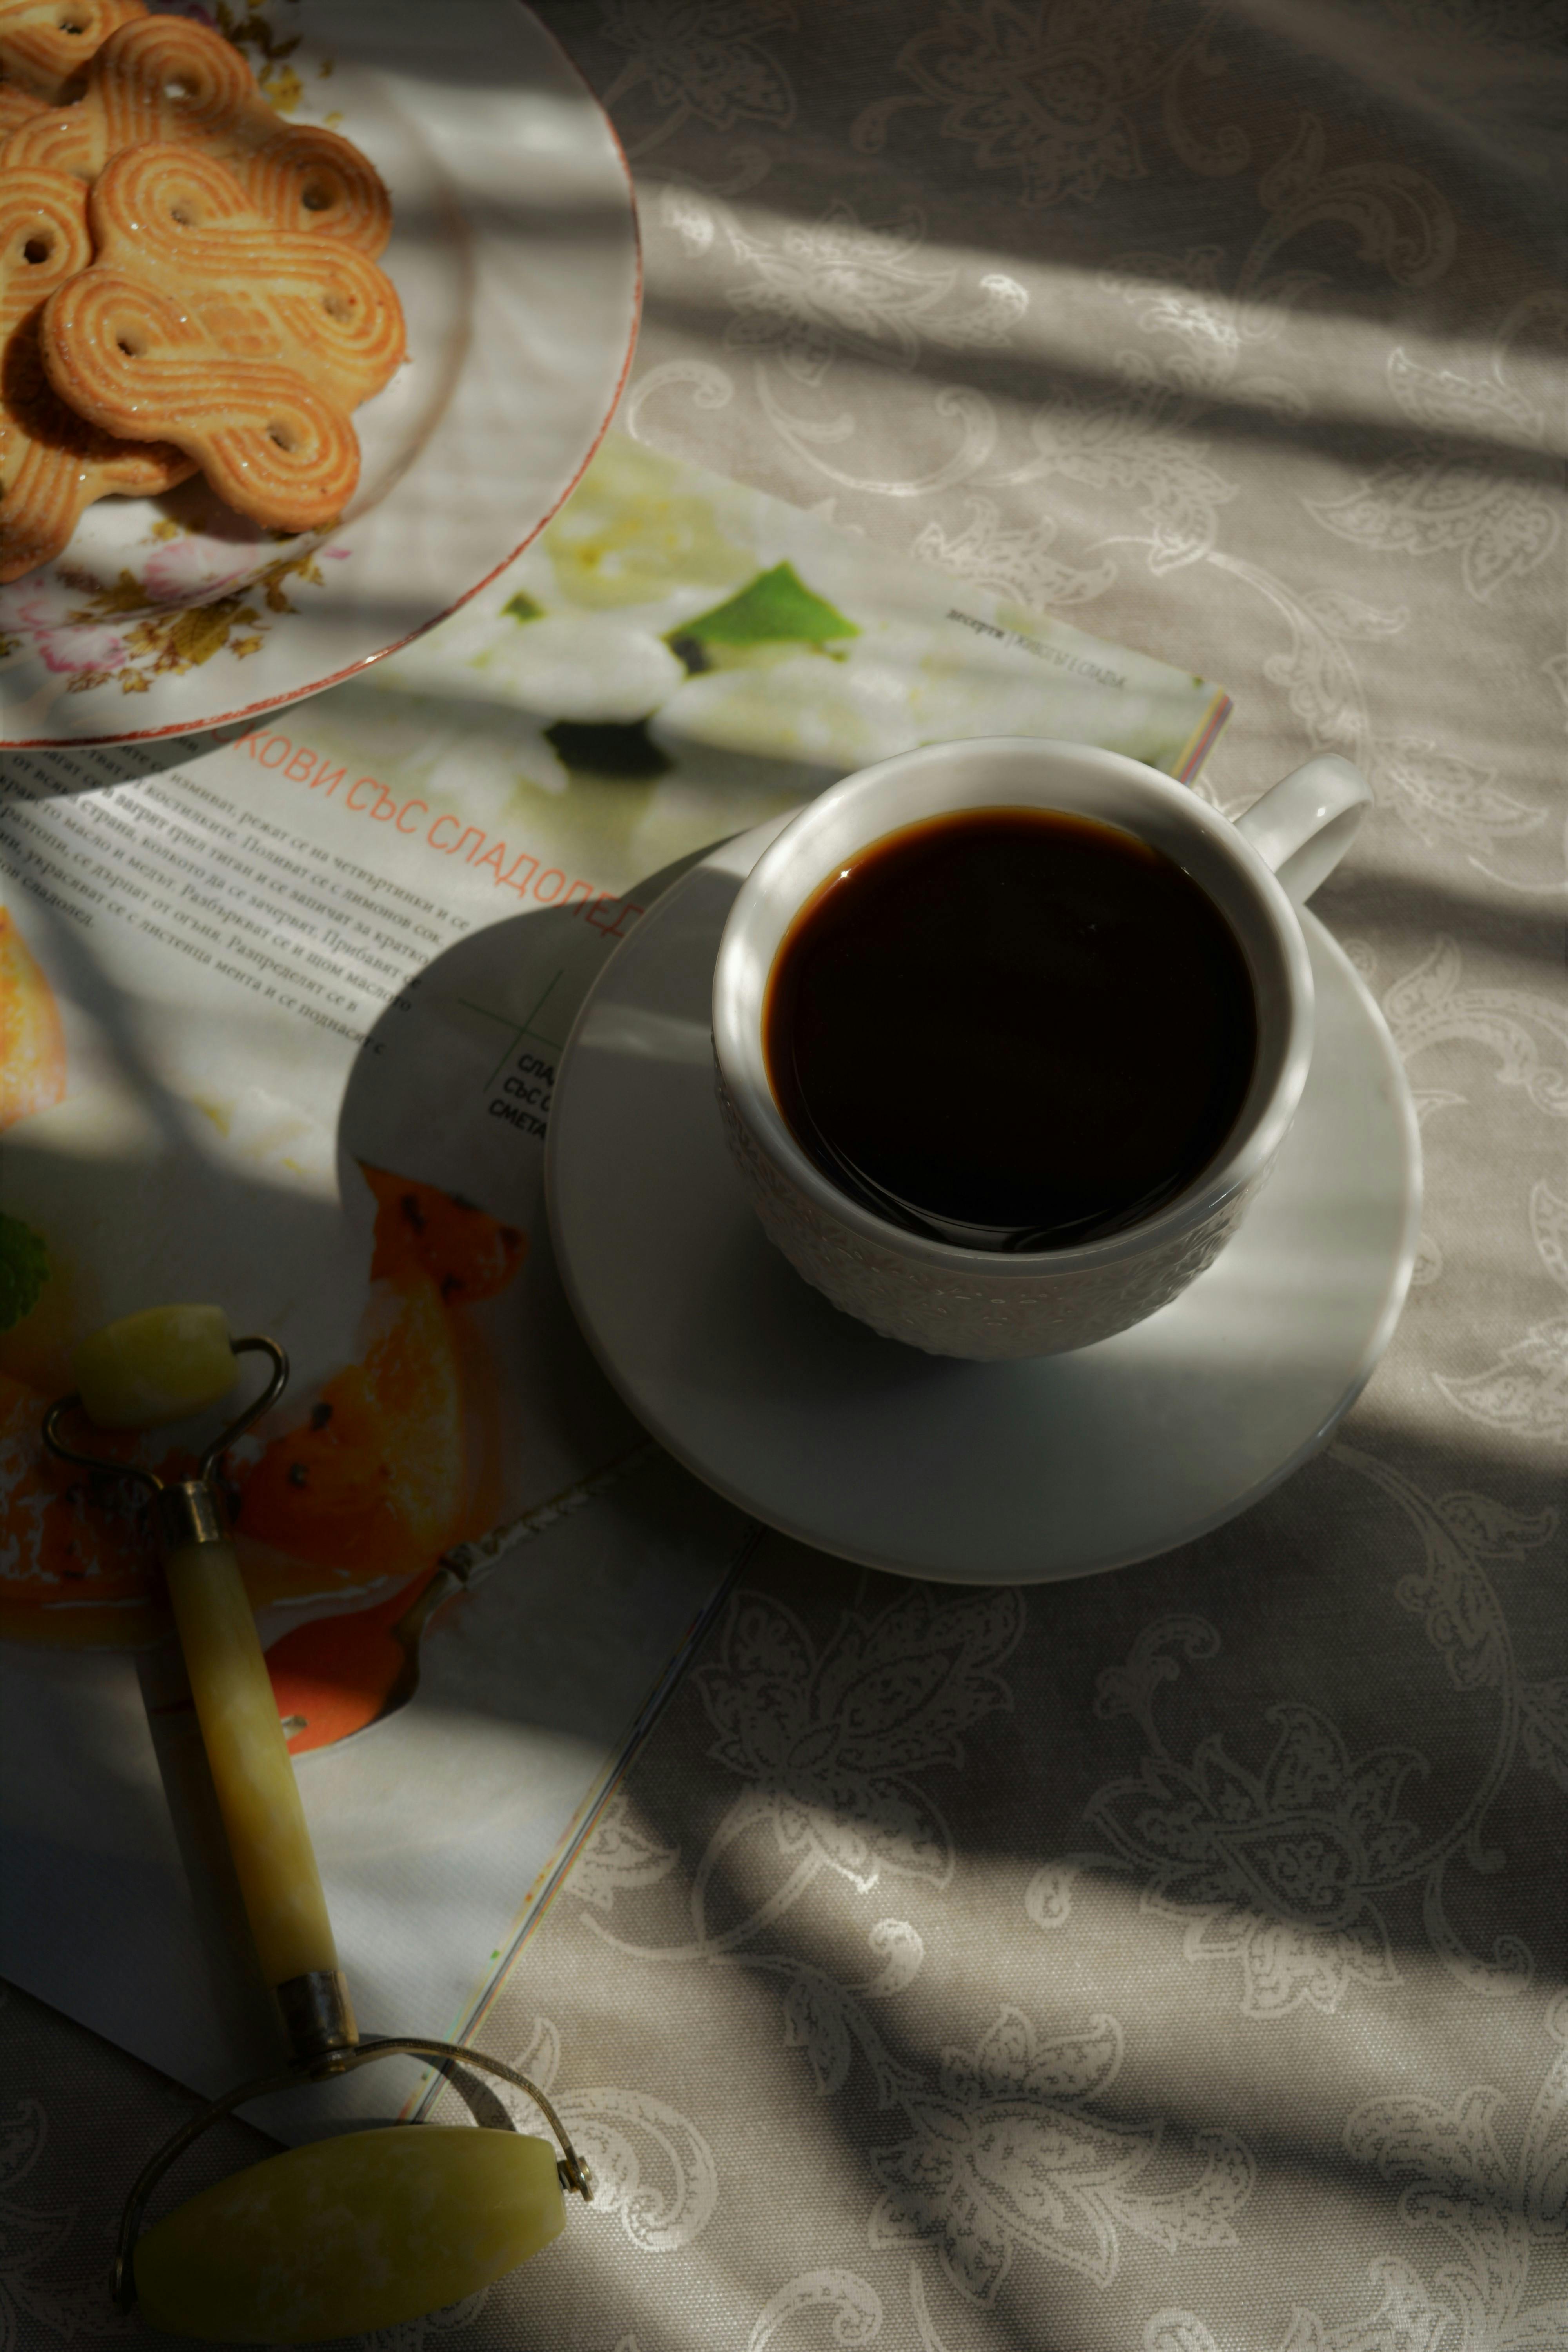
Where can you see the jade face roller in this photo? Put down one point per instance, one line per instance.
(350, 2233)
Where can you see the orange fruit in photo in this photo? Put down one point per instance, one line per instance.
(386, 1469)
(336, 1674)
(32, 1038)
(468, 1254)
(371, 1482)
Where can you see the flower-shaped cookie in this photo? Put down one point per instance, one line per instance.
(165, 79)
(52, 464)
(45, 42)
(203, 323)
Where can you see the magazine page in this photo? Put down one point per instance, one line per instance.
(282, 1014)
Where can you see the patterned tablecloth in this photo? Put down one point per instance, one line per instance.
(1172, 1962)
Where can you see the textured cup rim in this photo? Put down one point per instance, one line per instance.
(1246, 1154)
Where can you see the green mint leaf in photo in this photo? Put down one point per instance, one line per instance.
(522, 607)
(24, 1269)
(775, 606)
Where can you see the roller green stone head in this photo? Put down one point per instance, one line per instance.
(159, 1366)
(350, 2234)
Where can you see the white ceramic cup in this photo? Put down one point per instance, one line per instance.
(937, 1295)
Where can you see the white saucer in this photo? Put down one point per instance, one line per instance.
(979, 1473)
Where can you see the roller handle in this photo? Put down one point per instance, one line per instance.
(251, 1767)
(152, 1367)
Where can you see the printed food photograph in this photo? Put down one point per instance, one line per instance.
(782, 1084)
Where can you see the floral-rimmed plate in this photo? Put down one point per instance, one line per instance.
(515, 251)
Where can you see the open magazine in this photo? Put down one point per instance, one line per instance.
(281, 1017)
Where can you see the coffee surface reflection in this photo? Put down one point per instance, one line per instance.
(1012, 1029)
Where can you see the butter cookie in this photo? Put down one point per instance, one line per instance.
(203, 323)
(166, 79)
(45, 44)
(52, 464)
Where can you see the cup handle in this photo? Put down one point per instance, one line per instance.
(1305, 824)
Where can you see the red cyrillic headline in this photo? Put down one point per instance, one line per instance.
(368, 796)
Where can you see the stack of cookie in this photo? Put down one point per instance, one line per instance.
(185, 280)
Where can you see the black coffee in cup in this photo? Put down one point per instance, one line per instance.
(1014, 1029)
